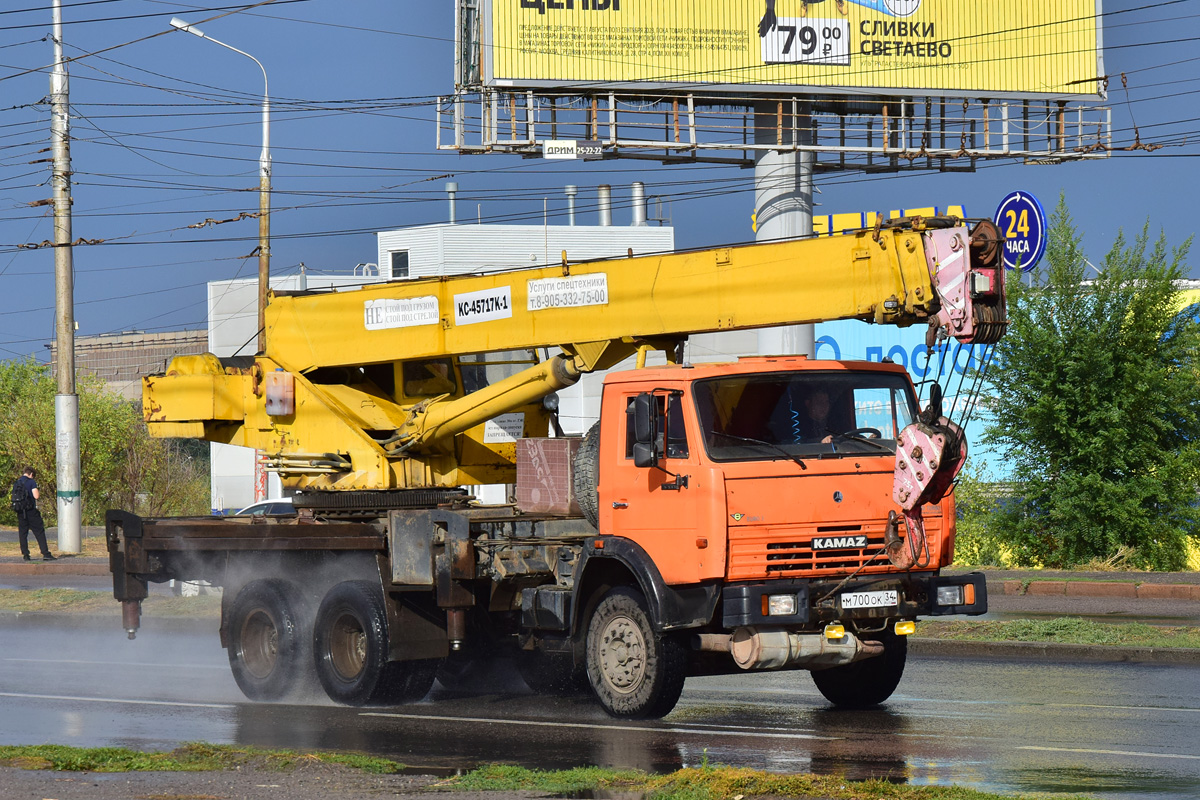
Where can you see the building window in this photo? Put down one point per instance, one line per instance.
(399, 264)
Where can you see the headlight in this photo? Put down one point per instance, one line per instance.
(550, 402)
(781, 605)
(950, 596)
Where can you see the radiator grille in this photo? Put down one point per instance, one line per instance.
(756, 553)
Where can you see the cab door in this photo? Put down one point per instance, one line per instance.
(660, 506)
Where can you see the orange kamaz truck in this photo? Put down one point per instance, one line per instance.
(774, 513)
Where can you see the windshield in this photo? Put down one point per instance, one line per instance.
(805, 414)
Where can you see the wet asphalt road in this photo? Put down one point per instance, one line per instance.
(1118, 731)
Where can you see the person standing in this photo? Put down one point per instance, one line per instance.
(25, 497)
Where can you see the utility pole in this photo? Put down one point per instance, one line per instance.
(66, 402)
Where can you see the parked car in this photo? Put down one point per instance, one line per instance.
(279, 506)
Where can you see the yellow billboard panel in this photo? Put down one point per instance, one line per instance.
(975, 48)
(832, 224)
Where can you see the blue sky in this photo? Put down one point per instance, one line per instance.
(167, 134)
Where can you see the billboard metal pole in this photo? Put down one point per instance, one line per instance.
(66, 402)
(783, 201)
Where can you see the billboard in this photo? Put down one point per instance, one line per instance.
(965, 48)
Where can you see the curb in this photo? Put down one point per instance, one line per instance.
(1054, 651)
(54, 568)
(1129, 590)
(50, 619)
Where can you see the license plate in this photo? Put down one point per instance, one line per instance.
(883, 599)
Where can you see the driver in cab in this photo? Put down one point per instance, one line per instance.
(817, 425)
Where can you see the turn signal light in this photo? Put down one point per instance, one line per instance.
(906, 628)
(835, 631)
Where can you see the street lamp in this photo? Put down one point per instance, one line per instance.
(264, 185)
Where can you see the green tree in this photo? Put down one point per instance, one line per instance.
(120, 465)
(976, 542)
(1095, 393)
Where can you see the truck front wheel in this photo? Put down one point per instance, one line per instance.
(351, 651)
(868, 682)
(266, 645)
(634, 671)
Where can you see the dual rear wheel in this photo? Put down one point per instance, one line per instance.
(268, 651)
(351, 650)
(271, 650)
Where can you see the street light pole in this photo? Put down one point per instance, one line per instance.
(264, 185)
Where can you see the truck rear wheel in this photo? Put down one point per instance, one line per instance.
(634, 671)
(586, 475)
(267, 650)
(351, 651)
(869, 682)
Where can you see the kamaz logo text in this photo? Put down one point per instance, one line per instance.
(839, 543)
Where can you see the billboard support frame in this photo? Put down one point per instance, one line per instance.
(880, 133)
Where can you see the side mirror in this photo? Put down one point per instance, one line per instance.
(645, 430)
(644, 455)
(645, 419)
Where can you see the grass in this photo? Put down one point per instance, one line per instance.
(1065, 630)
(72, 601)
(704, 783)
(192, 757)
(91, 546)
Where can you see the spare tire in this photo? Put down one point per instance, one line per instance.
(587, 475)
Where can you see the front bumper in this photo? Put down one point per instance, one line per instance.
(819, 602)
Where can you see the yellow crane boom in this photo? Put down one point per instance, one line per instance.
(381, 388)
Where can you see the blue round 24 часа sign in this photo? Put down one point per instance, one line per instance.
(1022, 223)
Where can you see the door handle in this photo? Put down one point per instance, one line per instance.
(618, 504)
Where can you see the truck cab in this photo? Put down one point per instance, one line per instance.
(747, 482)
(752, 502)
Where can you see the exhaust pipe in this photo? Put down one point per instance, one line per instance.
(711, 642)
(753, 648)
